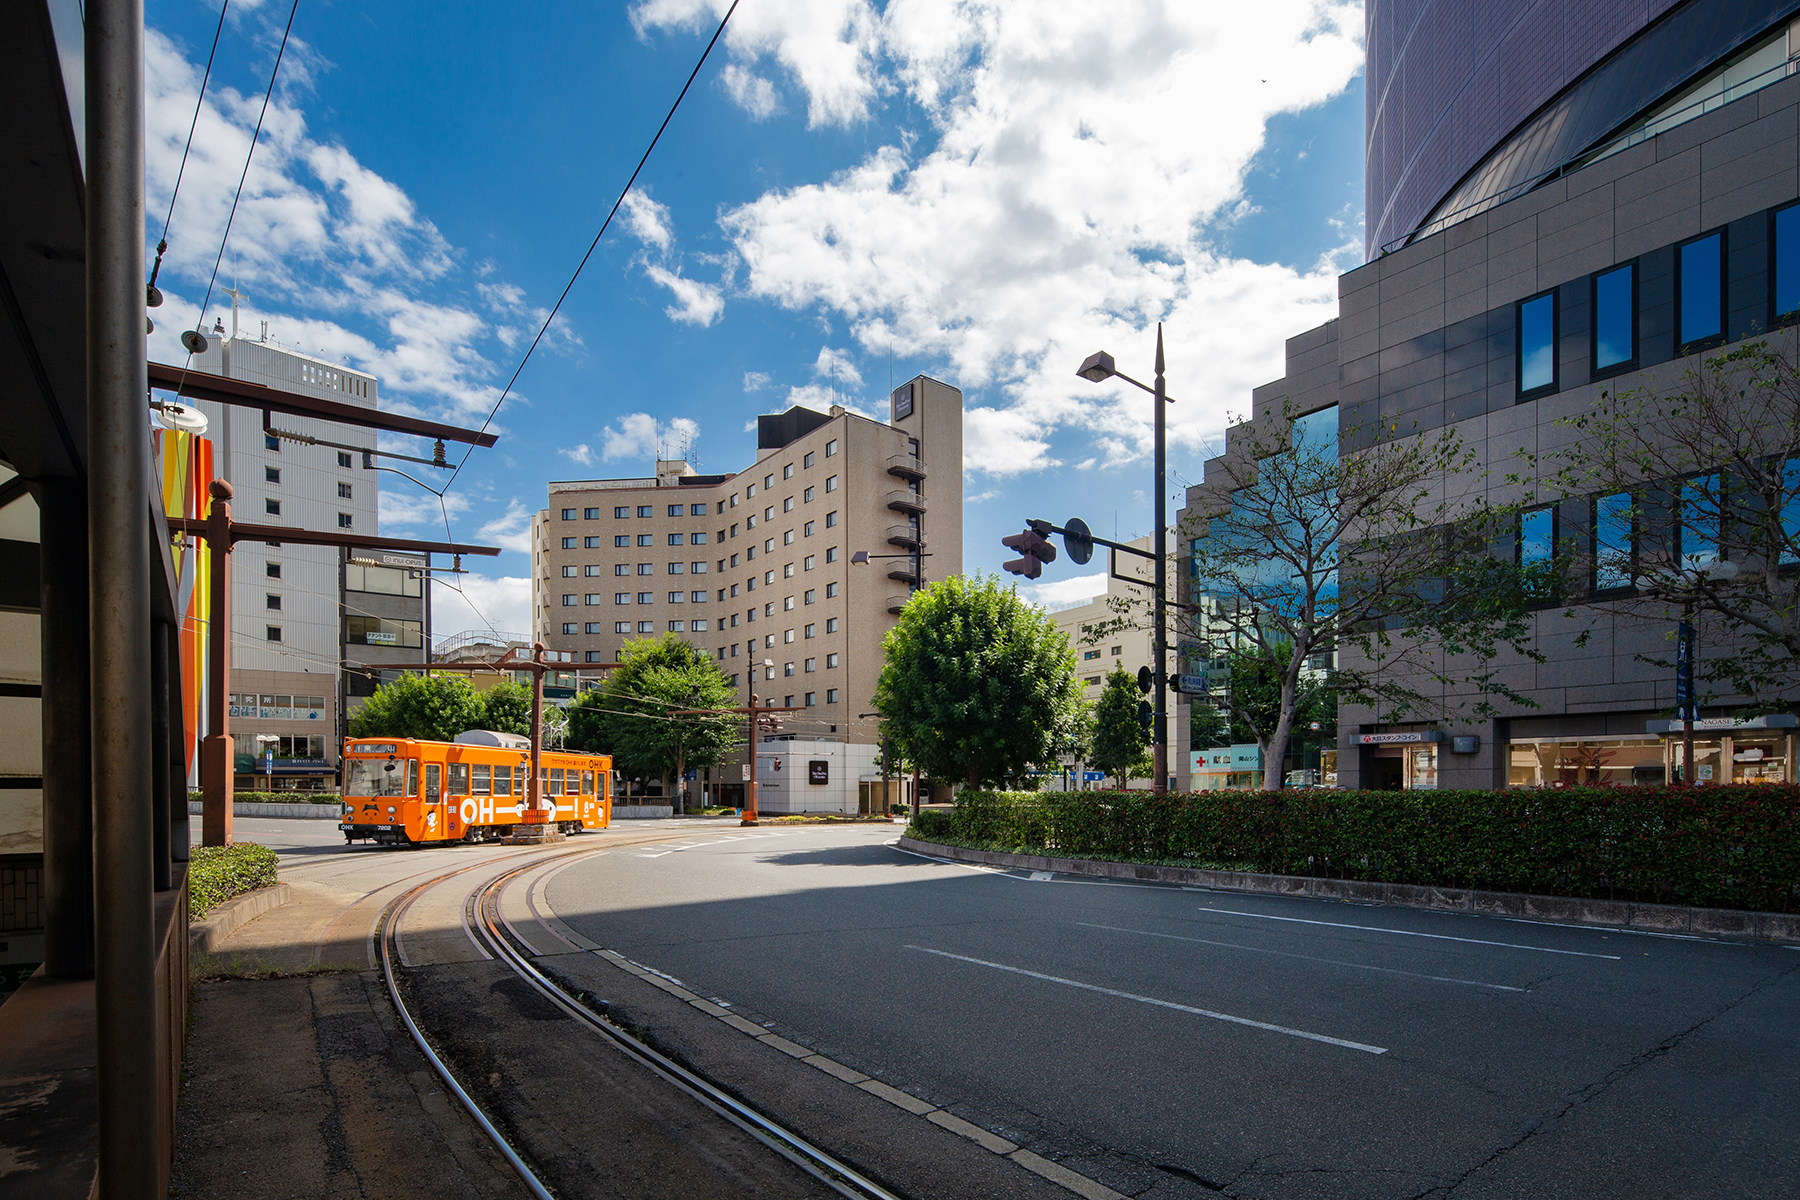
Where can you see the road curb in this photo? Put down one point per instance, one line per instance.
(205, 936)
(1781, 928)
(304, 812)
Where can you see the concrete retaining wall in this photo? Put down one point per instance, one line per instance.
(642, 812)
(205, 936)
(1618, 914)
(304, 812)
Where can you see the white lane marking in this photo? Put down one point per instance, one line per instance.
(658, 855)
(1199, 1012)
(1442, 937)
(1043, 875)
(1307, 957)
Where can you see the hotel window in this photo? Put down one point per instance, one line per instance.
(272, 507)
(646, 539)
(677, 627)
(1537, 345)
(697, 597)
(591, 570)
(812, 631)
(1117, 650)
(621, 597)
(768, 482)
(806, 497)
(733, 501)
(1615, 320)
(646, 597)
(812, 664)
(769, 609)
(698, 568)
(787, 668)
(831, 554)
(621, 568)
(831, 661)
(698, 626)
(831, 624)
(787, 472)
(676, 510)
(621, 512)
(808, 531)
(595, 656)
(344, 521)
(569, 600)
(807, 562)
(1700, 292)
(811, 595)
(831, 483)
(646, 510)
(831, 695)
(676, 568)
(621, 539)
(568, 514)
(676, 539)
(591, 598)
(272, 570)
(734, 591)
(787, 538)
(697, 539)
(697, 510)
(591, 543)
(808, 460)
(830, 520)
(271, 633)
(646, 627)
(787, 570)
(787, 604)
(571, 543)
(272, 602)
(750, 492)
(590, 514)
(1087, 654)
(811, 699)
(677, 597)
(749, 522)
(787, 505)
(593, 627)
(569, 572)
(769, 546)
(343, 459)
(646, 568)
(831, 591)
(621, 626)
(271, 474)
(831, 448)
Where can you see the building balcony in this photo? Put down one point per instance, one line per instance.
(906, 466)
(906, 501)
(897, 602)
(904, 536)
(901, 569)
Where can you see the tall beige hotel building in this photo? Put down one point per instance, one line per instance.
(755, 568)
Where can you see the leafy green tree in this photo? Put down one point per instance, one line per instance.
(978, 685)
(630, 715)
(507, 708)
(435, 708)
(1120, 743)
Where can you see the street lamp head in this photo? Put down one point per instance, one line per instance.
(861, 556)
(1097, 368)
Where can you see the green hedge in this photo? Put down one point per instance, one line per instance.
(1727, 847)
(275, 797)
(217, 873)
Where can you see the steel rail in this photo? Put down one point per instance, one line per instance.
(484, 905)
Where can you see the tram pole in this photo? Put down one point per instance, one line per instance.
(216, 750)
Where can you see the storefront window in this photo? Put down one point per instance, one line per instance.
(1421, 767)
(1760, 757)
(1572, 762)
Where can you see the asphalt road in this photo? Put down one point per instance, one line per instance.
(1256, 1047)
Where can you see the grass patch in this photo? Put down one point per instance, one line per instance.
(217, 873)
(274, 798)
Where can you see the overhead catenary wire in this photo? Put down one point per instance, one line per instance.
(162, 243)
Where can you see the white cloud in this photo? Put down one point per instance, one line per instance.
(696, 303)
(413, 509)
(838, 366)
(751, 92)
(510, 531)
(649, 221)
(580, 455)
(1064, 591)
(755, 381)
(1062, 201)
(637, 435)
(475, 601)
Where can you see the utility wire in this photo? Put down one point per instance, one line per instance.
(626, 191)
(162, 243)
(251, 153)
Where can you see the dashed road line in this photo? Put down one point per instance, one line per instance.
(1158, 1003)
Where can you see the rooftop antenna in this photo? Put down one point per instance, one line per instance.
(235, 295)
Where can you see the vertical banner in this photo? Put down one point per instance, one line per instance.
(185, 463)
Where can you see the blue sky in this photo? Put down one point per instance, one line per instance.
(985, 191)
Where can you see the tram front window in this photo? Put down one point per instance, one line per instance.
(375, 777)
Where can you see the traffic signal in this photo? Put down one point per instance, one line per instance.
(1035, 549)
(1146, 715)
(1146, 680)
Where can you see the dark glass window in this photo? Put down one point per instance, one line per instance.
(1786, 273)
(1537, 344)
(1613, 541)
(1700, 290)
(1615, 318)
(1537, 543)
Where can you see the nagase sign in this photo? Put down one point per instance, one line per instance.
(1398, 739)
(818, 770)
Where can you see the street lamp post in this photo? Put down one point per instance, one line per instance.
(1097, 368)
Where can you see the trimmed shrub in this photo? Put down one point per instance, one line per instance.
(217, 873)
(1726, 847)
(275, 797)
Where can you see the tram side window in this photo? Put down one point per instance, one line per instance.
(481, 785)
(502, 781)
(412, 777)
(518, 774)
(459, 779)
(434, 779)
(556, 781)
(587, 783)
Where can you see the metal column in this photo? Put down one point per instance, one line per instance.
(119, 494)
(68, 770)
(179, 734)
(161, 799)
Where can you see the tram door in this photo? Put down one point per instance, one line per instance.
(435, 814)
(590, 807)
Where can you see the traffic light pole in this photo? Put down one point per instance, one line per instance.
(1160, 670)
(752, 714)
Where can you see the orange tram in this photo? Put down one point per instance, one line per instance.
(404, 792)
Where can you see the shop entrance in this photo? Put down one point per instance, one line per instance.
(1386, 770)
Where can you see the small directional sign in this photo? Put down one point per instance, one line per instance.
(1191, 685)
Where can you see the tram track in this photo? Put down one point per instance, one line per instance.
(497, 938)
